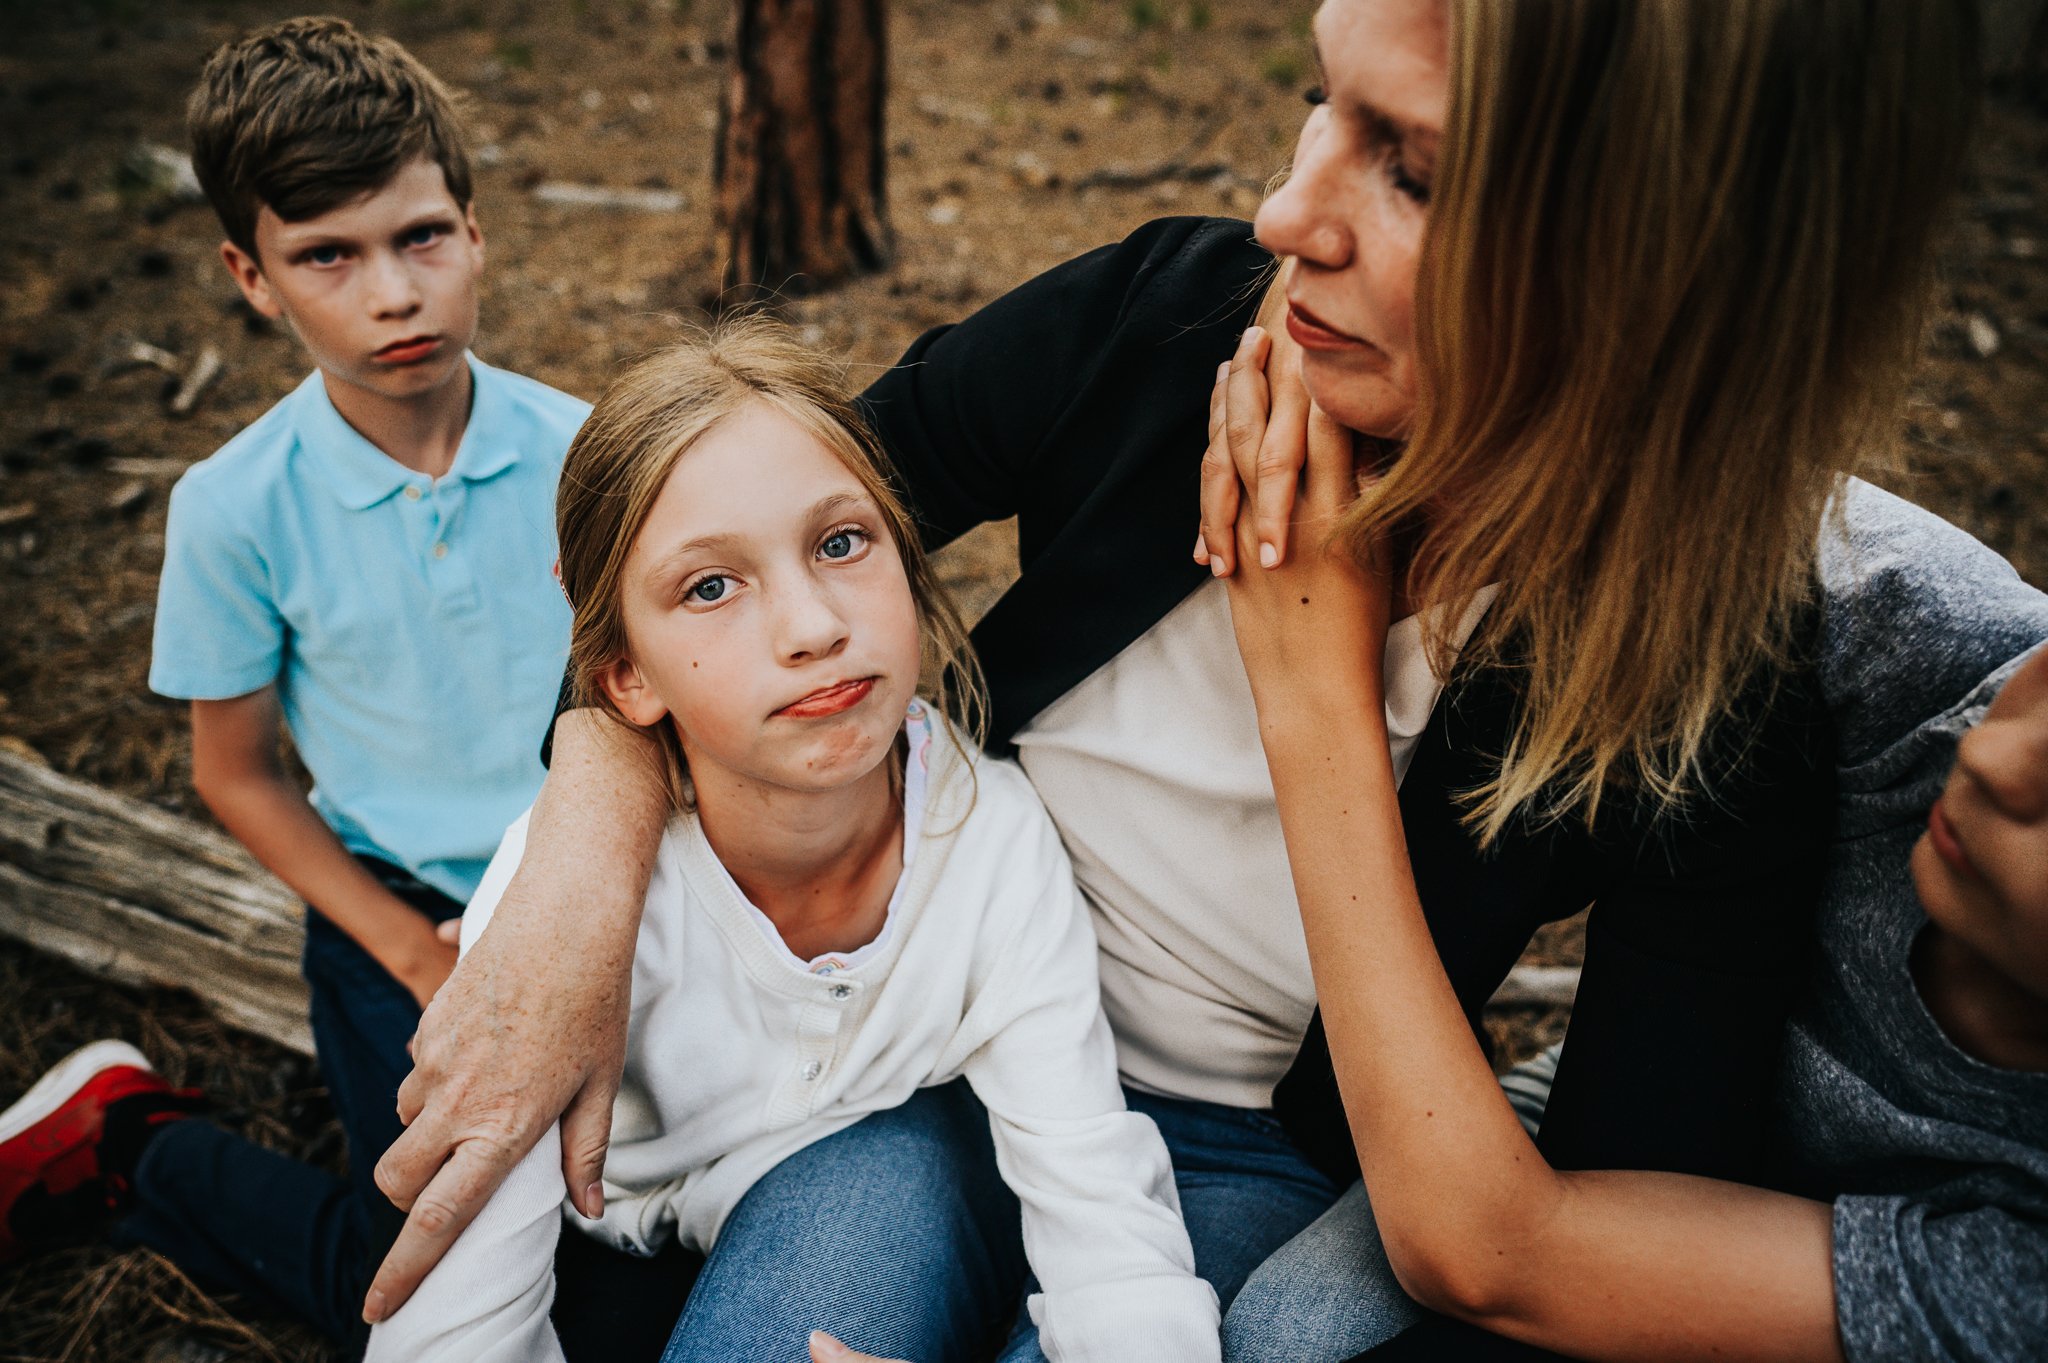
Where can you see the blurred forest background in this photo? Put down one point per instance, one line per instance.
(1017, 135)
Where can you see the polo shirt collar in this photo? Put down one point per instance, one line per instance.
(360, 475)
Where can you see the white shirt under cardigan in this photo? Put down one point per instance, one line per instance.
(1153, 771)
(740, 1054)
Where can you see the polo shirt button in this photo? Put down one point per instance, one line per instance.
(441, 550)
(811, 1070)
(412, 492)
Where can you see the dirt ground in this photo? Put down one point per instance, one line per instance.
(999, 113)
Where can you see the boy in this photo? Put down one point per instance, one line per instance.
(369, 562)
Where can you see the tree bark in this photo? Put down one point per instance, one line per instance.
(800, 172)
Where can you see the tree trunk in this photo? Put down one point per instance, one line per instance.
(800, 168)
(127, 892)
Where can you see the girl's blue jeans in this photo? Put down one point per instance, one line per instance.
(898, 1236)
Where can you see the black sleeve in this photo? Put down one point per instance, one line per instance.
(1698, 946)
(966, 414)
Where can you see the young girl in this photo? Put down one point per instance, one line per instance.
(847, 906)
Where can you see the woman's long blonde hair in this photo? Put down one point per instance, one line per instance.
(1670, 292)
(645, 422)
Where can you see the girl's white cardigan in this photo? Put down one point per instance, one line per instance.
(737, 1057)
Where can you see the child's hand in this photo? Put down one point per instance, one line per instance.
(424, 961)
(825, 1349)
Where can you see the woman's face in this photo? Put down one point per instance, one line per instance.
(1353, 210)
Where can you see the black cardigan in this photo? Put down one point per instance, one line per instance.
(1078, 403)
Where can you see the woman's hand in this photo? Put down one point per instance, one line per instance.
(531, 1026)
(1314, 624)
(1260, 465)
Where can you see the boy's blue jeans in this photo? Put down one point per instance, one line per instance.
(235, 1215)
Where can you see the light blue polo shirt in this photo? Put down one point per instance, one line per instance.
(412, 625)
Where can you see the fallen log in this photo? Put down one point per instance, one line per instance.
(130, 893)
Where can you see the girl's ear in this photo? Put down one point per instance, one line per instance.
(631, 693)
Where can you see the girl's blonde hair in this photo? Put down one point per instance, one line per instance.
(645, 422)
(1670, 293)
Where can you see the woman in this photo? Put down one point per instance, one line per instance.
(1112, 667)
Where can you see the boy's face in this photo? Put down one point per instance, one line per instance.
(1982, 867)
(382, 290)
(768, 613)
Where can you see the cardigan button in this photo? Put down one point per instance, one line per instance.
(811, 1070)
(842, 991)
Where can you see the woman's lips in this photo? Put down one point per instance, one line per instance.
(1311, 332)
(409, 351)
(1947, 846)
(830, 701)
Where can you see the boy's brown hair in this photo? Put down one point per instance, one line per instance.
(310, 114)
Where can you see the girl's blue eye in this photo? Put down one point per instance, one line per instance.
(709, 590)
(837, 545)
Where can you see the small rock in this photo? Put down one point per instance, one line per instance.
(2022, 248)
(21, 513)
(1984, 338)
(186, 1349)
(641, 102)
(1030, 172)
(19, 747)
(593, 99)
(812, 335)
(128, 498)
(945, 212)
(162, 170)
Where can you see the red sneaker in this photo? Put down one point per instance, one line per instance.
(51, 1163)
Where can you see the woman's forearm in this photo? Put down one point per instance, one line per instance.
(531, 1027)
(591, 841)
(1476, 1223)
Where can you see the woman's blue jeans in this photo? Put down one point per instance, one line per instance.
(898, 1236)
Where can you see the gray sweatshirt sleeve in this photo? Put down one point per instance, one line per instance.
(1917, 1281)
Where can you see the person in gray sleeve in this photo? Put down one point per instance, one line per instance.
(1915, 1083)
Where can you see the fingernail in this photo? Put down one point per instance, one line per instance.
(373, 1307)
(1201, 548)
(593, 1198)
(1218, 566)
(1268, 556)
(1223, 371)
(825, 1346)
(1244, 342)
